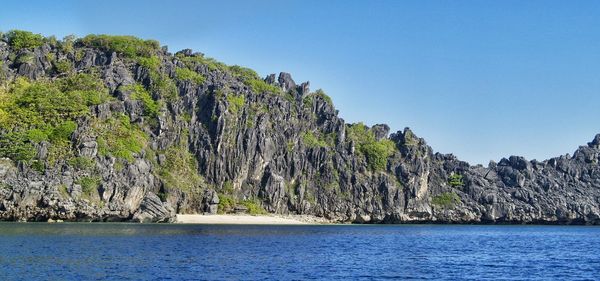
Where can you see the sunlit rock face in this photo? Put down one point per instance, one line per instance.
(182, 133)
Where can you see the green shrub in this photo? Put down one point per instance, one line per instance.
(82, 163)
(243, 72)
(129, 46)
(210, 63)
(164, 86)
(251, 78)
(254, 207)
(309, 139)
(138, 92)
(259, 86)
(119, 138)
(63, 131)
(376, 152)
(89, 185)
(25, 59)
(446, 200)
(82, 82)
(456, 180)
(37, 135)
(19, 39)
(235, 102)
(66, 45)
(32, 112)
(152, 63)
(227, 187)
(38, 166)
(226, 204)
(63, 66)
(320, 93)
(16, 146)
(185, 74)
(180, 169)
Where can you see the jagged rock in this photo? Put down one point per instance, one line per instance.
(381, 131)
(256, 147)
(211, 202)
(185, 52)
(286, 82)
(270, 79)
(153, 210)
(304, 89)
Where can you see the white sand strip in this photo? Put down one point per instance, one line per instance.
(235, 219)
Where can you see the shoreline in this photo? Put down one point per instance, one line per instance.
(248, 219)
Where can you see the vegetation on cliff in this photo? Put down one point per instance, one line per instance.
(117, 128)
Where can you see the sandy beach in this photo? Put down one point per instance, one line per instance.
(239, 219)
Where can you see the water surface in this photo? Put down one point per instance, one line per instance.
(69, 251)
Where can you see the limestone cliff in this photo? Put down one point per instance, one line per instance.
(182, 133)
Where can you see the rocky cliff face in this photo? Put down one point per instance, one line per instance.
(182, 133)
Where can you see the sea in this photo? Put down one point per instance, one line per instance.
(123, 251)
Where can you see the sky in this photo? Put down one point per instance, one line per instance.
(480, 79)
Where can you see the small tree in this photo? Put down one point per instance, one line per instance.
(456, 180)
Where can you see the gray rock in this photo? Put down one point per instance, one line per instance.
(286, 82)
(259, 152)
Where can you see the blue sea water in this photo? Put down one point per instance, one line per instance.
(102, 251)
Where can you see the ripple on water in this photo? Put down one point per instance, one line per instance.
(156, 252)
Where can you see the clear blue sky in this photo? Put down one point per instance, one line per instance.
(481, 79)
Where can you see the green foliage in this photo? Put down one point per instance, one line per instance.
(38, 166)
(66, 45)
(227, 187)
(254, 207)
(210, 63)
(129, 46)
(32, 112)
(251, 78)
(25, 59)
(119, 138)
(166, 87)
(226, 204)
(260, 86)
(50, 57)
(320, 93)
(309, 139)
(446, 200)
(89, 185)
(82, 163)
(63, 131)
(410, 139)
(456, 180)
(235, 102)
(37, 135)
(376, 152)
(16, 146)
(88, 88)
(180, 169)
(243, 72)
(63, 66)
(152, 62)
(186, 74)
(51, 40)
(42, 103)
(138, 92)
(19, 39)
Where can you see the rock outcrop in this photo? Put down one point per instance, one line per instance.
(227, 139)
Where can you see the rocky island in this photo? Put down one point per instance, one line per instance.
(116, 128)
